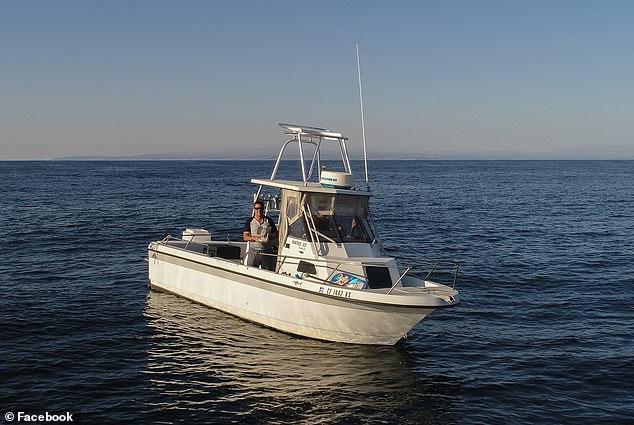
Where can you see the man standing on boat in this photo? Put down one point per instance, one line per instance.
(260, 232)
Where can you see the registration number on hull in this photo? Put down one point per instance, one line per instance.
(335, 292)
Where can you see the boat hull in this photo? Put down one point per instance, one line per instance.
(281, 302)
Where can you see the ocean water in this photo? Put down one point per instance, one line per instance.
(544, 333)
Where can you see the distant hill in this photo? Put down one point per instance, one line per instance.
(609, 152)
(612, 152)
(595, 152)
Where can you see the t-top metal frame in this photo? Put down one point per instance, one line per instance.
(314, 136)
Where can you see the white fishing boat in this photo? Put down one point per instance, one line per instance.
(332, 278)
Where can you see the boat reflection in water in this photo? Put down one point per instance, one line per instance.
(208, 366)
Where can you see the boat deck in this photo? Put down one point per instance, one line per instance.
(233, 251)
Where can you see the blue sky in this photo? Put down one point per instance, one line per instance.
(138, 77)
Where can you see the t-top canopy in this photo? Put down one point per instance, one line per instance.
(312, 131)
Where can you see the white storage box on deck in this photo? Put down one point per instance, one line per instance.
(196, 235)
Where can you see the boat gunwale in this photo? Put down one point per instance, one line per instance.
(455, 296)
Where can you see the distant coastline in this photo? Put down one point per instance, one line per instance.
(611, 152)
(607, 153)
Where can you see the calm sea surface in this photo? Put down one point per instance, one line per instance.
(544, 334)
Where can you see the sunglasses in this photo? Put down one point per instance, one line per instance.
(257, 208)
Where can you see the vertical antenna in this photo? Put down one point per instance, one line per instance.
(365, 153)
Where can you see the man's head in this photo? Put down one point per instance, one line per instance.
(258, 207)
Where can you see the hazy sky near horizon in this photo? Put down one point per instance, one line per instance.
(141, 77)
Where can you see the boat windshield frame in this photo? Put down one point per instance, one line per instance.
(336, 218)
(344, 228)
